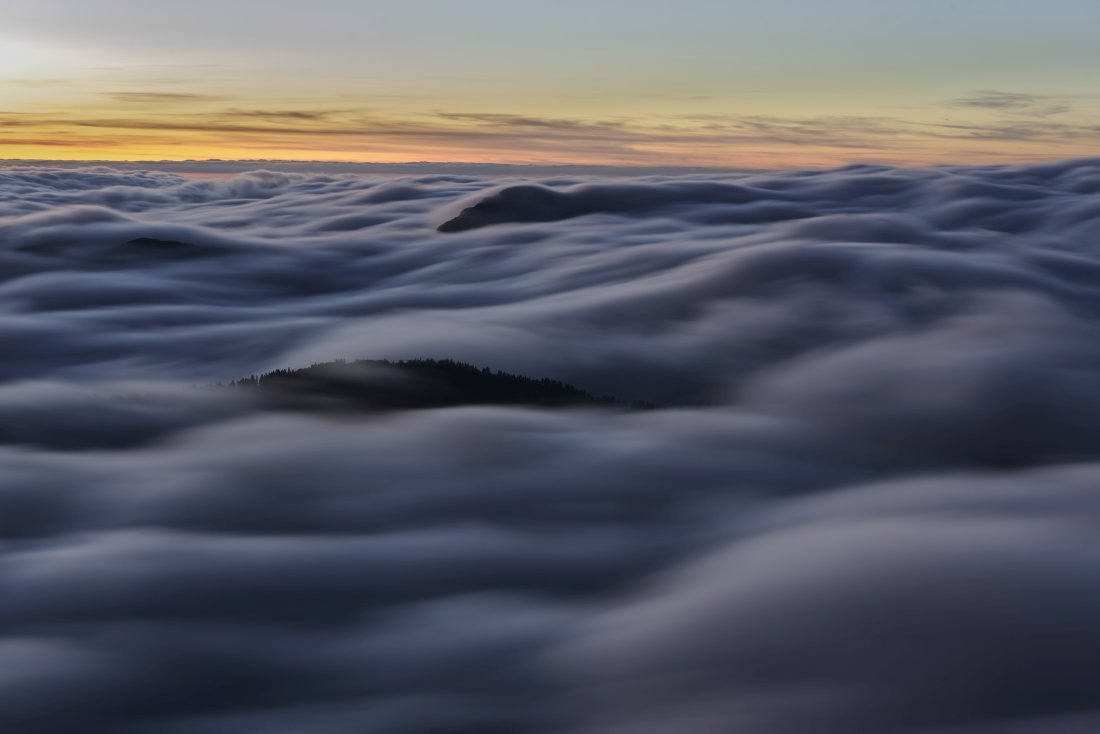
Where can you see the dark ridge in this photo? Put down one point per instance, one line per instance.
(135, 420)
(167, 249)
(527, 203)
(152, 243)
(382, 385)
(531, 203)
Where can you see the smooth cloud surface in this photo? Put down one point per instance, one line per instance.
(869, 506)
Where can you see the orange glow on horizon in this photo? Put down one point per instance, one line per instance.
(170, 126)
(694, 151)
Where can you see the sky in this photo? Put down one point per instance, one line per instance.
(730, 83)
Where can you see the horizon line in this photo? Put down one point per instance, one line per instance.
(240, 165)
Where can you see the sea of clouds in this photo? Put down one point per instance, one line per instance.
(868, 503)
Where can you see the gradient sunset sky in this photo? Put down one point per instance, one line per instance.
(783, 83)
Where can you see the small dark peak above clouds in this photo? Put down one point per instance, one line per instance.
(530, 203)
(154, 247)
(382, 385)
(154, 244)
(515, 204)
(117, 416)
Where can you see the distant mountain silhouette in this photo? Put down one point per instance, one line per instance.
(532, 203)
(382, 385)
(523, 204)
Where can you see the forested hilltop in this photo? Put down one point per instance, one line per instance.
(380, 385)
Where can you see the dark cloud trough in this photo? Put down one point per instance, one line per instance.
(866, 504)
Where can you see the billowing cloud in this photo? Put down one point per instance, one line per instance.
(866, 503)
(954, 604)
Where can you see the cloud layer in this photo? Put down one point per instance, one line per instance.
(868, 505)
